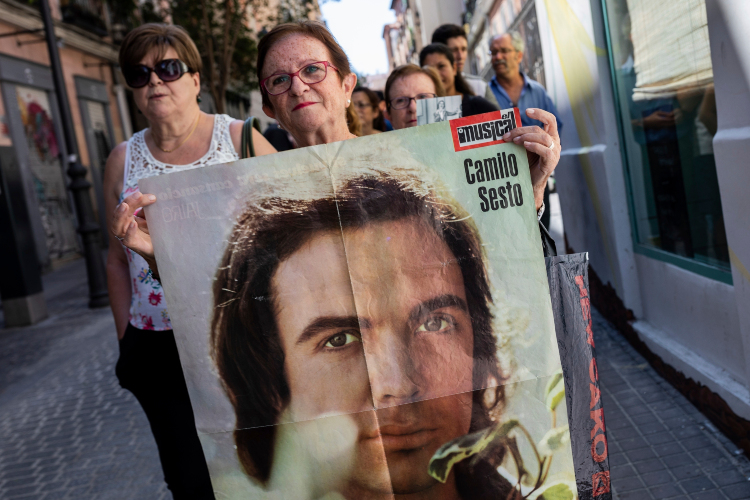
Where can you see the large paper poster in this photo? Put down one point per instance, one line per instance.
(368, 319)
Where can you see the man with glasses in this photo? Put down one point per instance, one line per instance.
(513, 88)
(404, 87)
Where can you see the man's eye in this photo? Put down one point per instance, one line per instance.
(434, 324)
(341, 339)
(312, 69)
(279, 79)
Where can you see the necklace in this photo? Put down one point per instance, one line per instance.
(184, 140)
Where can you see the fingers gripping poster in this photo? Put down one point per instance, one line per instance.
(368, 319)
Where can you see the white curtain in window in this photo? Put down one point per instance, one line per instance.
(670, 45)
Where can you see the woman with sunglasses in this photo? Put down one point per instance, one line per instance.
(162, 66)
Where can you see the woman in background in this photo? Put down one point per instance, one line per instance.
(404, 87)
(367, 104)
(440, 58)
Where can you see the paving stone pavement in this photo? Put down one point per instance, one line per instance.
(67, 429)
(660, 445)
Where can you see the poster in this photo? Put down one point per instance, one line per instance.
(47, 173)
(368, 319)
(438, 109)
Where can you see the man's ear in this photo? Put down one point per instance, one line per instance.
(349, 83)
(269, 112)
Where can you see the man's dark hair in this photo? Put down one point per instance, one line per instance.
(447, 31)
(244, 342)
(440, 48)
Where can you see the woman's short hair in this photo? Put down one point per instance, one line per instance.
(244, 341)
(408, 70)
(379, 122)
(440, 48)
(313, 29)
(147, 37)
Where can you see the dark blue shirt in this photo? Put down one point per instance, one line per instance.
(533, 95)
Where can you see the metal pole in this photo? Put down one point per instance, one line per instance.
(87, 226)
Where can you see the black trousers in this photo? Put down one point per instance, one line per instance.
(149, 367)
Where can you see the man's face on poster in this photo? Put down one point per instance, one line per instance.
(379, 319)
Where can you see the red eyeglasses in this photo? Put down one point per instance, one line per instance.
(312, 73)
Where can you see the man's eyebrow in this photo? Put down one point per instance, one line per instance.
(323, 323)
(446, 300)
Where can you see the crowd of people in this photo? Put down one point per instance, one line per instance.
(309, 88)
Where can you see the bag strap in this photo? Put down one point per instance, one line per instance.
(247, 149)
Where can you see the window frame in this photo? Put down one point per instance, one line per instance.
(694, 266)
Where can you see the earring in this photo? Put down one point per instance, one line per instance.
(348, 102)
(198, 98)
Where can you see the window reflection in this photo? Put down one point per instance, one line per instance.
(668, 108)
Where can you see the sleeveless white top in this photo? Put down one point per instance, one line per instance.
(148, 311)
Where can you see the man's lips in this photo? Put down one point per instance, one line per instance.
(303, 105)
(157, 95)
(400, 438)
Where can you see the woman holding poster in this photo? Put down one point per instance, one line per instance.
(307, 83)
(162, 67)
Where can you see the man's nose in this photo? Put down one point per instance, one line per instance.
(393, 376)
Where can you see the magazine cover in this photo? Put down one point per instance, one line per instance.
(438, 109)
(368, 319)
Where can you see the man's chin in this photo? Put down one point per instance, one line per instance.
(408, 471)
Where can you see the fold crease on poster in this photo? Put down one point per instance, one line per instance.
(371, 319)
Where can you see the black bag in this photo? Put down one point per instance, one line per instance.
(571, 308)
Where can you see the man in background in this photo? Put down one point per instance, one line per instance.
(455, 38)
(513, 88)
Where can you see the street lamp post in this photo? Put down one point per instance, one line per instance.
(87, 227)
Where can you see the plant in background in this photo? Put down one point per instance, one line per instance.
(221, 31)
(493, 443)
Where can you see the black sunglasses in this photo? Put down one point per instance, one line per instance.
(167, 70)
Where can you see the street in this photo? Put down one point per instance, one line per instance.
(67, 429)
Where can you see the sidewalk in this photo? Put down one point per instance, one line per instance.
(67, 430)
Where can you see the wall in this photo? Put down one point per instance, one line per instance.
(433, 13)
(74, 62)
(730, 54)
(691, 321)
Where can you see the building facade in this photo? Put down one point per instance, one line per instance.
(653, 175)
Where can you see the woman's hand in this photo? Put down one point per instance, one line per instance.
(129, 225)
(542, 158)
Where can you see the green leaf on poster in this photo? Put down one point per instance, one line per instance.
(554, 440)
(461, 448)
(559, 491)
(555, 391)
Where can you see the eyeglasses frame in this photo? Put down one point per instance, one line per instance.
(434, 95)
(183, 67)
(296, 73)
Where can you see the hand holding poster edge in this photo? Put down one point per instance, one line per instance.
(542, 147)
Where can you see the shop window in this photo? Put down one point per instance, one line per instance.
(664, 92)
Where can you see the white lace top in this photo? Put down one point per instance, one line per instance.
(148, 311)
